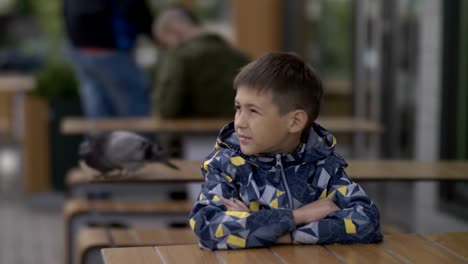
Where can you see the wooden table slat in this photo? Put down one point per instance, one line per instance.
(248, 256)
(304, 254)
(359, 170)
(190, 254)
(359, 253)
(189, 171)
(173, 236)
(123, 237)
(456, 242)
(417, 249)
(197, 125)
(141, 255)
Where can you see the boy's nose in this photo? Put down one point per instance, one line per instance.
(239, 121)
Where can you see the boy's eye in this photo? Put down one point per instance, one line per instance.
(253, 111)
(236, 107)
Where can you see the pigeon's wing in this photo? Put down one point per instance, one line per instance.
(125, 148)
(92, 153)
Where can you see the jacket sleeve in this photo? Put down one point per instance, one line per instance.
(169, 88)
(218, 228)
(356, 222)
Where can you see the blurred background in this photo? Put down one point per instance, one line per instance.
(401, 63)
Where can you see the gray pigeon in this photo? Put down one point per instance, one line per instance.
(120, 151)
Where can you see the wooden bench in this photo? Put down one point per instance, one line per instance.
(197, 125)
(79, 213)
(81, 183)
(396, 248)
(142, 185)
(358, 170)
(90, 241)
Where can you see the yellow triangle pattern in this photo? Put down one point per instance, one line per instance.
(332, 194)
(236, 241)
(228, 178)
(219, 231)
(279, 193)
(216, 198)
(349, 226)
(343, 190)
(192, 223)
(237, 161)
(238, 214)
(205, 164)
(254, 206)
(324, 194)
(274, 203)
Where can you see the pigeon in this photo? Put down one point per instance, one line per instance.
(121, 151)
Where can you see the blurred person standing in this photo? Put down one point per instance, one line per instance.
(195, 75)
(102, 35)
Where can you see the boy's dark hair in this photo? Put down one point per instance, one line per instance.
(292, 82)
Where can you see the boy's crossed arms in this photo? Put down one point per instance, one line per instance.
(309, 213)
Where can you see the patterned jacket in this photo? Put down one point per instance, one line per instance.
(271, 185)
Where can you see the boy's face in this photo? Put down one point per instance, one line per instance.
(259, 126)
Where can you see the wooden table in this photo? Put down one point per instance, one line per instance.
(358, 170)
(397, 248)
(186, 126)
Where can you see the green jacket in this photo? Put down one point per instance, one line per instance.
(195, 79)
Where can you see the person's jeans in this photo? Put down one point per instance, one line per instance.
(111, 84)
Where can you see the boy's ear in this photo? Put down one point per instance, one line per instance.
(297, 121)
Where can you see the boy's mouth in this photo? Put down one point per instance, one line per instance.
(243, 138)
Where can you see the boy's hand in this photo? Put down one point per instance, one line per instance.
(314, 211)
(235, 205)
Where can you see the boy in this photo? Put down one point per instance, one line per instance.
(274, 176)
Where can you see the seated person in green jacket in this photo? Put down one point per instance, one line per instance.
(194, 77)
(274, 176)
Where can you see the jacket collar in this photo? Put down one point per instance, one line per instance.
(317, 143)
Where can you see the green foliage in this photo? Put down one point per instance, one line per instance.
(335, 36)
(56, 81)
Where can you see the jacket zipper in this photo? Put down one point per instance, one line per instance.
(279, 167)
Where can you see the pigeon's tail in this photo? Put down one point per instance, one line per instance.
(156, 153)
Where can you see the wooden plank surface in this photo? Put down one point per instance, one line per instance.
(189, 171)
(304, 254)
(358, 170)
(89, 238)
(16, 83)
(6, 103)
(77, 206)
(36, 146)
(151, 124)
(174, 236)
(248, 256)
(396, 248)
(456, 242)
(362, 253)
(415, 249)
(187, 126)
(140, 255)
(190, 254)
